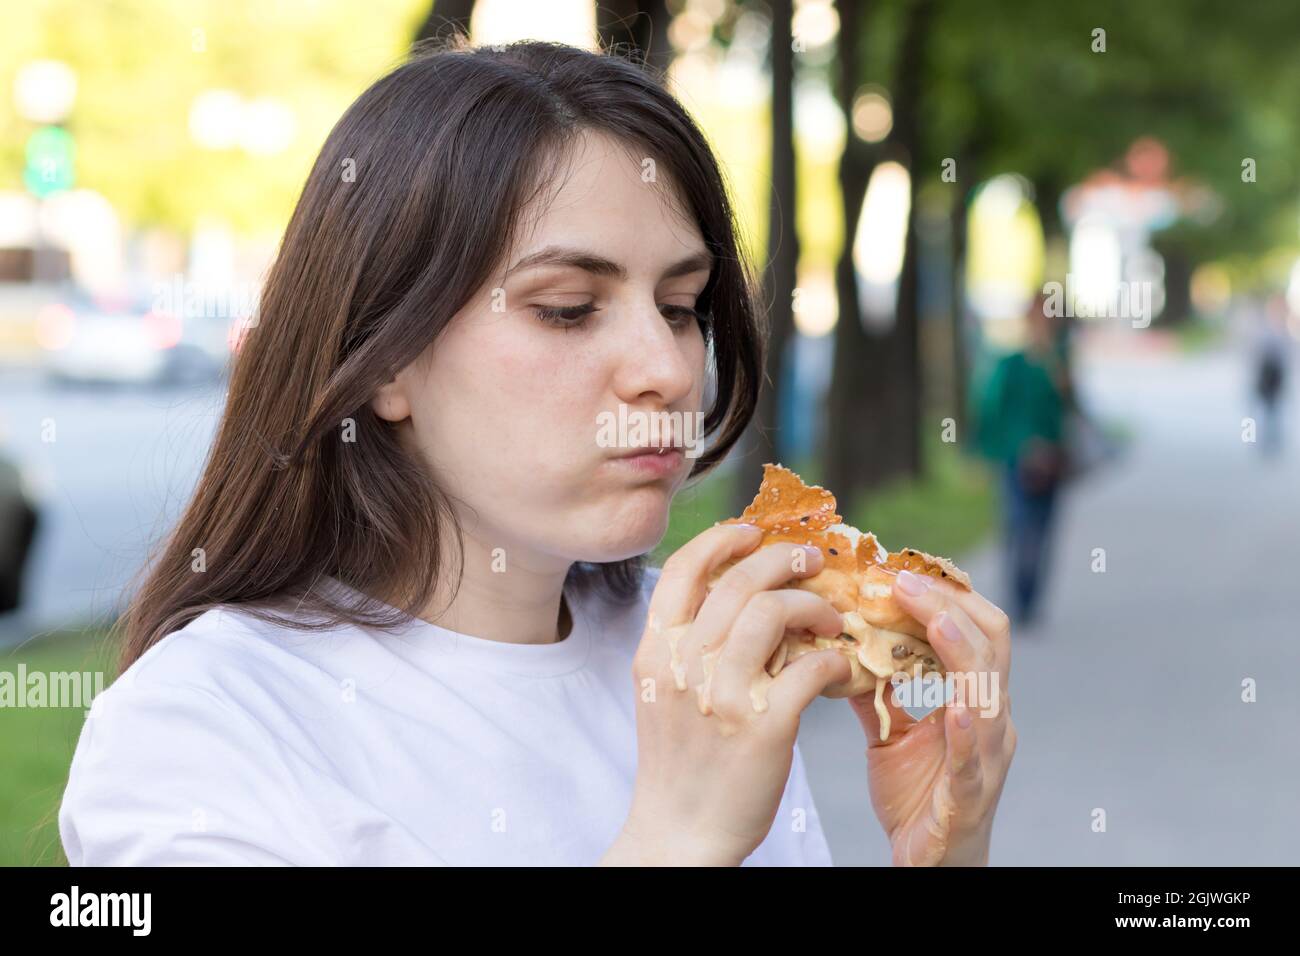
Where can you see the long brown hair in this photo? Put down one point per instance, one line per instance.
(414, 198)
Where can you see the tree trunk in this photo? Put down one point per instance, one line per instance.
(959, 222)
(970, 160)
(1047, 203)
(855, 383)
(1178, 282)
(761, 443)
(639, 26)
(444, 18)
(875, 399)
(905, 455)
(874, 404)
(907, 393)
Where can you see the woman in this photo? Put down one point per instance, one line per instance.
(403, 619)
(1271, 352)
(1022, 419)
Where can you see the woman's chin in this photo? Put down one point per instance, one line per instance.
(630, 533)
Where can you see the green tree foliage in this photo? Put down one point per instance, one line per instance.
(141, 63)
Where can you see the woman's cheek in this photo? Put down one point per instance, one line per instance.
(544, 407)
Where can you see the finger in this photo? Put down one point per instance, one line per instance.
(683, 580)
(958, 640)
(1008, 742)
(996, 739)
(679, 592)
(962, 757)
(969, 659)
(765, 569)
(756, 634)
(992, 711)
(990, 618)
(701, 645)
(802, 681)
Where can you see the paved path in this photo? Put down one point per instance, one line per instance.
(121, 466)
(1128, 696)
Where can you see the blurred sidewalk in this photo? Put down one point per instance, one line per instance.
(1128, 696)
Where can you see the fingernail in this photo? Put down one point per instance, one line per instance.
(963, 717)
(949, 628)
(913, 584)
(747, 526)
(811, 549)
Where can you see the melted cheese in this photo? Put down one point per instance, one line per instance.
(876, 653)
(708, 660)
(674, 661)
(673, 635)
(881, 710)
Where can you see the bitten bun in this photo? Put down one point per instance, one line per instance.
(880, 639)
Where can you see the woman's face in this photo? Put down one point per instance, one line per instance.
(507, 407)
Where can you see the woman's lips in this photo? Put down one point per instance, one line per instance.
(652, 463)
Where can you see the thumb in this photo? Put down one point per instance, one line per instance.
(804, 678)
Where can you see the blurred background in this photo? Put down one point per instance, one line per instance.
(1033, 277)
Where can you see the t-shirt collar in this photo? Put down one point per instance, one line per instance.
(434, 644)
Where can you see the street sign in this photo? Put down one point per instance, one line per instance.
(49, 161)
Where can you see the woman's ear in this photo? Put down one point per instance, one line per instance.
(390, 402)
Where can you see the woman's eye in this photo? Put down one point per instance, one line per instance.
(574, 316)
(564, 316)
(681, 316)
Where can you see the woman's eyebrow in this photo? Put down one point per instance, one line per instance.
(601, 266)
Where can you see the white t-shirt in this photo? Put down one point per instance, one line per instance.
(232, 741)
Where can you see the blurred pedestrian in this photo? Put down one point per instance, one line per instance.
(1271, 360)
(1020, 419)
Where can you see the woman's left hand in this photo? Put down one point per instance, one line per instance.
(935, 783)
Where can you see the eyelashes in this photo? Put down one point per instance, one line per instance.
(575, 316)
(564, 316)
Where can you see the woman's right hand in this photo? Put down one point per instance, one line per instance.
(711, 766)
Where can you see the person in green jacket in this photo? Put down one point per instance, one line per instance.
(1020, 416)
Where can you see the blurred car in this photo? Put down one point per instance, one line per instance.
(94, 341)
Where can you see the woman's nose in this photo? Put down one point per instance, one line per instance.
(652, 358)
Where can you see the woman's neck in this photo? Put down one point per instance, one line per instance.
(503, 596)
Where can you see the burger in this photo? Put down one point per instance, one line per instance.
(880, 639)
